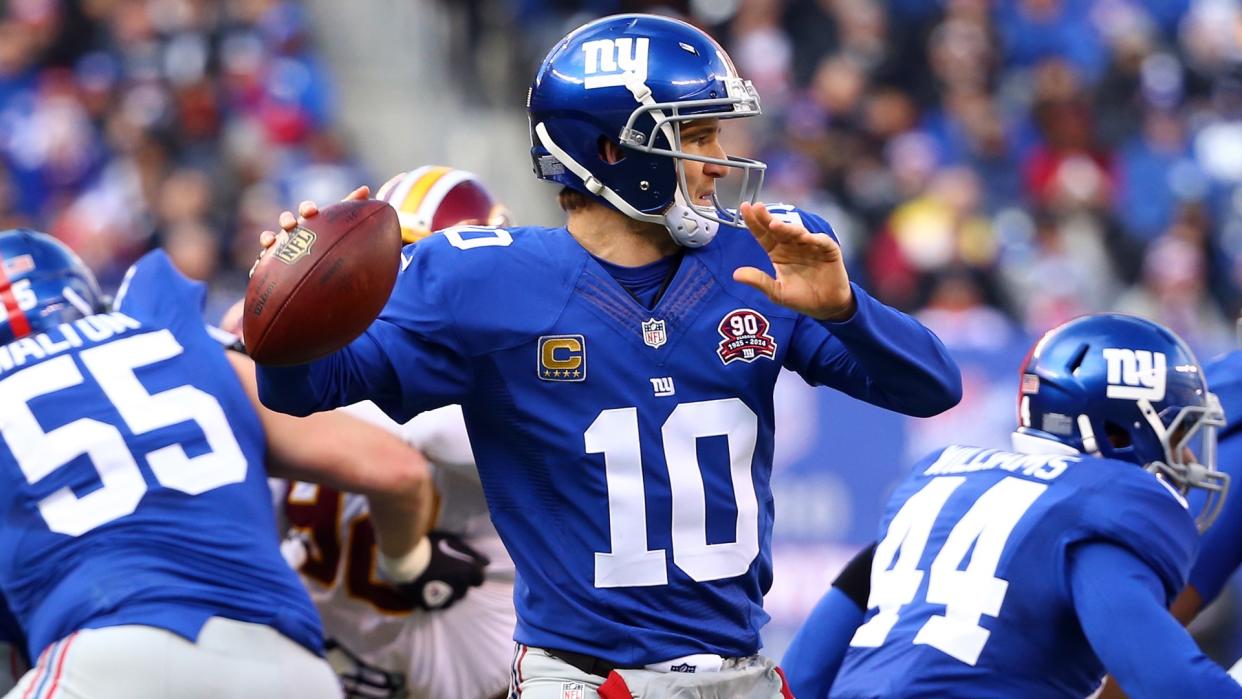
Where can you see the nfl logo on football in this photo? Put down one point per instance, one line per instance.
(653, 333)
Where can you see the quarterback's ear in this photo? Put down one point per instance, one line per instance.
(609, 151)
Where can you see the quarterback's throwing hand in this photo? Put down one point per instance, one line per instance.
(810, 270)
(452, 569)
(289, 221)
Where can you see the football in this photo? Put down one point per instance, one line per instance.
(320, 288)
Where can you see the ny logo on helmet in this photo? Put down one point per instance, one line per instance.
(609, 61)
(1135, 374)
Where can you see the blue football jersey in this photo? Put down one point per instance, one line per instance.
(625, 452)
(134, 490)
(1221, 549)
(969, 587)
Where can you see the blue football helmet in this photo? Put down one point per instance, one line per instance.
(42, 284)
(634, 79)
(1123, 387)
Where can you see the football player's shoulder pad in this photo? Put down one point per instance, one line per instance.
(494, 286)
(154, 292)
(1135, 509)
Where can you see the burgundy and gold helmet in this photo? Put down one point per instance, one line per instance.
(435, 197)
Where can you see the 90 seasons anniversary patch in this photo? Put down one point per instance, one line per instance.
(746, 337)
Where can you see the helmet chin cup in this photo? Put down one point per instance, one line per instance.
(688, 227)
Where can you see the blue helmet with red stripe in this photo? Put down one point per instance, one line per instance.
(42, 284)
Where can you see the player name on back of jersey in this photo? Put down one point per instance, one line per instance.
(92, 329)
(959, 459)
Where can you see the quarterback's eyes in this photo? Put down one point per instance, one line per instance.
(701, 137)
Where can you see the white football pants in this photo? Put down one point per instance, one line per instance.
(231, 660)
(539, 675)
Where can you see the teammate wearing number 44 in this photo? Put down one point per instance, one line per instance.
(136, 551)
(616, 374)
(1031, 573)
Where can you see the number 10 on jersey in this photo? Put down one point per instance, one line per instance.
(614, 433)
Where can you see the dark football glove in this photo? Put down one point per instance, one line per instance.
(360, 680)
(454, 568)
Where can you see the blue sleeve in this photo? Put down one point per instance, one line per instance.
(1220, 549)
(1120, 603)
(879, 355)
(816, 652)
(1135, 510)
(408, 361)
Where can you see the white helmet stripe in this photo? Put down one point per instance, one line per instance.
(426, 210)
(401, 190)
(80, 303)
(1089, 445)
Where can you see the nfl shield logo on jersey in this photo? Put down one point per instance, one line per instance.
(573, 690)
(653, 333)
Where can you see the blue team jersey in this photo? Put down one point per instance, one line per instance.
(969, 586)
(133, 487)
(625, 452)
(1221, 549)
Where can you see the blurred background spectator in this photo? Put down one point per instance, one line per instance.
(995, 166)
(126, 124)
(1063, 157)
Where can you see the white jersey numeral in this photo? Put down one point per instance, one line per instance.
(24, 294)
(614, 433)
(967, 594)
(112, 365)
(894, 585)
(490, 238)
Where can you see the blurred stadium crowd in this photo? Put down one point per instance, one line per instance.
(1002, 165)
(999, 162)
(126, 124)
(997, 165)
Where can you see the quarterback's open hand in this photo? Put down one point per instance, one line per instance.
(453, 569)
(810, 271)
(289, 221)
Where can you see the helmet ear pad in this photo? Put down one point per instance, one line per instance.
(646, 180)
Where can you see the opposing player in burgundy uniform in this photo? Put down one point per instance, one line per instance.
(380, 638)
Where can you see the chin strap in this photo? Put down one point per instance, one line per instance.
(687, 227)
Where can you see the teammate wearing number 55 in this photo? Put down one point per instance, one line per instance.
(136, 550)
(1030, 573)
(616, 374)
